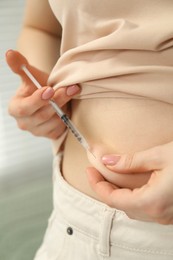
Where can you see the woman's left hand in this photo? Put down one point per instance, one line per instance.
(151, 202)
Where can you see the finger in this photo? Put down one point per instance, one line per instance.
(103, 188)
(41, 116)
(164, 221)
(40, 126)
(115, 197)
(57, 132)
(120, 198)
(65, 94)
(15, 60)
(140, 203)
(40, 98)
(37, 100)
(144, 161)
(26, 106)
(50, 129)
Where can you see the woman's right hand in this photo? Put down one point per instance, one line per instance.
(30, 106)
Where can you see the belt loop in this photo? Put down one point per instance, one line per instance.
(105, 232)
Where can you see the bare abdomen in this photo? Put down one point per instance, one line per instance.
(115, 126)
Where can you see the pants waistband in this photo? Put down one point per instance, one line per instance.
(106, 225)
(94, 218)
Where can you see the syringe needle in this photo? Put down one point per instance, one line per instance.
(60, 113)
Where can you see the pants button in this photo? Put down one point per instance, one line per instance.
(69, 231)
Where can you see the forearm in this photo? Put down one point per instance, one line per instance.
(40, 37)
(42, 51)
(39, 41)
(39, 47)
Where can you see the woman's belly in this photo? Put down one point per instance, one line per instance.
(114, 126)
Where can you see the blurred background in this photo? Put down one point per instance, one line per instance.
(25, 161)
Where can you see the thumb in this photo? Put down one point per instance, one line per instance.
(15, 60)
(142, 161)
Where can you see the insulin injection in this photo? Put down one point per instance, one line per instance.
(60, 113)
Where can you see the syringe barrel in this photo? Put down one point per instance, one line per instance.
(75, 131)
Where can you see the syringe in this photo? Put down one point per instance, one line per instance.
(60, 113)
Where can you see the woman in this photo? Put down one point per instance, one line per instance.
(121, 57)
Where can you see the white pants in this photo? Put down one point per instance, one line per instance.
(81, 228)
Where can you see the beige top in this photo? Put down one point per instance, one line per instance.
(116, 48)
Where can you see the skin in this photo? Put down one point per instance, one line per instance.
(139, 187)
(39, 42)
(30, 105)
(154, 200)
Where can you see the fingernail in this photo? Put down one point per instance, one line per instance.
(8, 51)
(71, 90)
(47, 93)
(110, 159)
